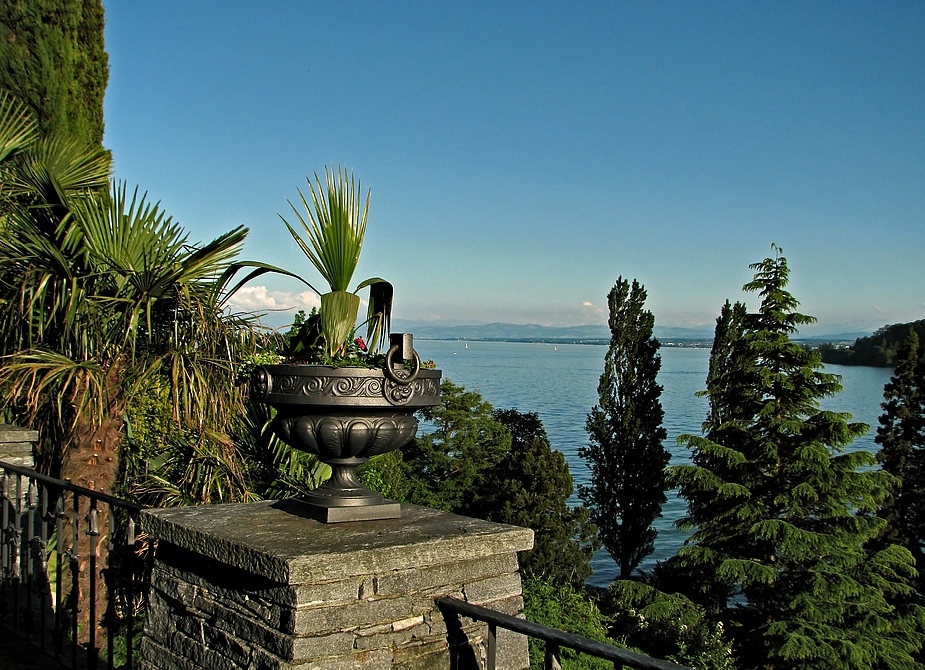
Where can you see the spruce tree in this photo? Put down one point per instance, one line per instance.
(55, 63)
(781, 513)
(901, 436)
(625, 454)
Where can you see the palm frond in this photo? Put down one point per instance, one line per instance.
(31, 378)
(258, 270)
(18, 127)
(335, 226)
(55, 170)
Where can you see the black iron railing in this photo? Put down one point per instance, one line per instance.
(73, 572)
(554, 638)
(74, 579)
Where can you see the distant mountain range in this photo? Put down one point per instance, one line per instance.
(591, 333)
(533, 332)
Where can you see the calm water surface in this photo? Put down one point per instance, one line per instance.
(559, 383)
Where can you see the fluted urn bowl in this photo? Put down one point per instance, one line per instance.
(345, 416)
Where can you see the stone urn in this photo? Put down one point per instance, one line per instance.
(345, 416)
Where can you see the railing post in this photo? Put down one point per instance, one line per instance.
(60, 516)
(42, 548)
(29, 553)
(93, 532)
(130, 592)
(16, 542)
(4, 526)
(492, 651)
(553, 659)
(110, 579)
(75, 579)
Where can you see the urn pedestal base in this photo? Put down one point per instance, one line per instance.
(343, 497)
(250, 586)
(310, 508)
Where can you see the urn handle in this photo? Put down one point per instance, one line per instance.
(402, 346)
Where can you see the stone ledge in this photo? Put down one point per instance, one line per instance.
(259, 538)
(16, 445)
(242, 587)
(10, 433)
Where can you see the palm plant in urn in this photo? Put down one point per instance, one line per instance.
(339, 396)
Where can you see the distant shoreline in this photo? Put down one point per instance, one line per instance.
(690, 344)
(674, 342)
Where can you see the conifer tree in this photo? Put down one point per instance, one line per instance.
(498, 465)
(901, 436)
(625, 455)
(447, 467)
(530, 487)
(55, 62)
(781, 512)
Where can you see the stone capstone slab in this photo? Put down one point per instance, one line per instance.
(270, 539)
(16, 445)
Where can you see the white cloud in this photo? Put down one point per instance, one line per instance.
(259, 298)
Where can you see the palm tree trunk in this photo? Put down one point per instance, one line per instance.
(91, 460)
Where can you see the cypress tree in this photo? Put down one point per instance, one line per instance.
(791, 513)
(55, 62)
(901, 436)
(531, 487)
(448, 467)
(625, 454)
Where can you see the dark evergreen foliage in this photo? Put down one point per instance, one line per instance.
(781, 513)
(55, 62)
(901, 436)
(448, 466)
(625, 455)
(530, 487)
(499, 466)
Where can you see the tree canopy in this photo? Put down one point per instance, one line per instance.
(878, 350)
(780, 512)
(55, 62)
(626, 455)
(498, 465)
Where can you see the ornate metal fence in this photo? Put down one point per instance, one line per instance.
(73, 573)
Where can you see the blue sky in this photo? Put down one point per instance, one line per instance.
(523, 155)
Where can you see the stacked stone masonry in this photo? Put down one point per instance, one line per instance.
(258, 586)
(16, 445)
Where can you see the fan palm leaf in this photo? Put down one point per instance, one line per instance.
(334, 225)
(35, 376)
(18, 127)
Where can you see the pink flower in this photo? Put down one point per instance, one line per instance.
(360, 343)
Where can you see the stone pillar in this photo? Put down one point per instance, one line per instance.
(16, 445)
(257, 585)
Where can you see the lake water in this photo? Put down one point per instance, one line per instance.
(559, 383)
